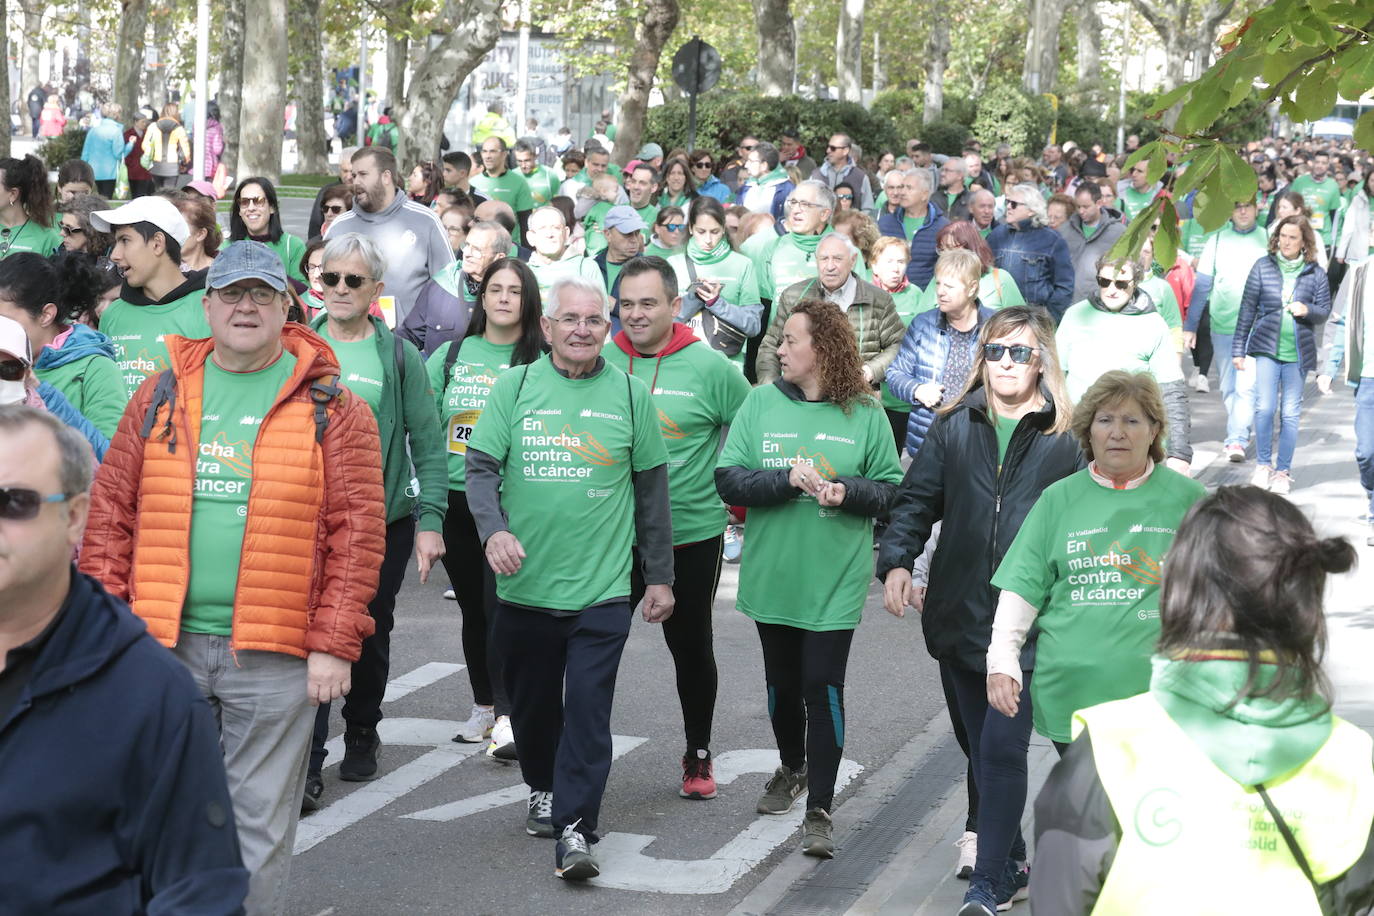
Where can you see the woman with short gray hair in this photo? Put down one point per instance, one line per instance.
(1035, 255)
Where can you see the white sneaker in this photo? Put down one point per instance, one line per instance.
(1281, 483)
(502, 745)
(1261, 477)
(450, 594)
(968, 854)
(733, 545)
(1201, 385)
(478, 726)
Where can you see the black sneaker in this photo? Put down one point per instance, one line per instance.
(539, 815)
(360, 754)
(314, 788)
(572, 857)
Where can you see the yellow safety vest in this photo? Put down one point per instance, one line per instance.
(1194, 841)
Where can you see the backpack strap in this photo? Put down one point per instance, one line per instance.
(630, 392)
(400, 358)
(450, 358)
(165, 392)
(322, 392)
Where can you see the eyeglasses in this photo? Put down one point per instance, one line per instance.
(70, 230)
(13, 370)
(570, 324)
(1105, 282)
(1020, 353)
(18, 504)
(260, 295)
(844, 196)
(674, 227)
(332, 209)
(1012, 204)
(832, 147)
(352, 281)
(245, 202)
(313, 269)
(703, 165)
(794, 202)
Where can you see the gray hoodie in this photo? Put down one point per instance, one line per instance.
(413, 242)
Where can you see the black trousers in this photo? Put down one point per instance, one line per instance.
(473, 582)
(1202, 353)
(560, 673)
(362, 708)
(805, 671)
(141, 187)
(898, 420)
(105, 187)
(956, 719)
(689, 634)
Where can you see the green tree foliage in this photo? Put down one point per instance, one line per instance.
(903, 108)
(65, 146)
(1008, 114)
(946, 137)
(1298, 53)
(723, 118)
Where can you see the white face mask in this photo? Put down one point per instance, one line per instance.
(11, 392)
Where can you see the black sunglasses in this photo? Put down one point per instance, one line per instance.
(352, 281)
(1119, 284)
(1020, 353)
(335, 209)
(702, 165)
(831, 147)
(12, 370)
(18, 504)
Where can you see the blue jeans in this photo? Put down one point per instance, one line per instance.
(1272, 378)
(1237, 392)
(1364, 437)
(999, 747)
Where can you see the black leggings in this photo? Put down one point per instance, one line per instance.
(804, 670)
(956, 719)
(696, 570)
(898, 420)
(465, 561)
(1202, 353)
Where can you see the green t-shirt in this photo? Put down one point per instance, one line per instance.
(137, 332)
(95, 386)
(511, 188)
(1092, 342)
(232, 412)
(1165, 300)
(648, 213)
(543, 184)
(1321, 198)
(594, 228)
(781, 260)
(360, 367)
(909, 304)
(1005, 427)
(1133, 201)
(1090, 559)
(735, 272)
(565, 447)
(1193, 237)
(29, 236)
(912, 224)
(1287, 350)
(656, 250)
(805, 565)
(696, 392)
(1227, 258)
(462, 396)
(575, 266)
(290, 249)
(613, 272)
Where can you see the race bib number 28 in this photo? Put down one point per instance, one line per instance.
(460, 427)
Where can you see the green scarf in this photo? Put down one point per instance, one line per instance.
(714, 256)
(777, 173)
(1256, 740)
(1290, 270)
(807, 243)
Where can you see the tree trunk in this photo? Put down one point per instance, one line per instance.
(307, 81)
(1183, 28)
(33, 35)
(936, 60)
(133, 28)
(1041, 70)
(439, 73)
(849, 40)
(879, 83)
(776, 46)
(264, 90)
(157, 93)
(231, 79)
(397, 55)
(1090, 89)
(652, 32)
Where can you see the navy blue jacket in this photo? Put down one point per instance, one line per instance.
(112, 794)
(925, 348)
(1261, 311)
(921, 268)
(1038, 260)
(439, 315)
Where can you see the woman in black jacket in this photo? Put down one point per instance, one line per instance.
(1286, 297)
(988, 457)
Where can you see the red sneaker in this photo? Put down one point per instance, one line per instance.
(698, 776)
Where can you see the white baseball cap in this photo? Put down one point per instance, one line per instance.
(13, 339)
(159, 211)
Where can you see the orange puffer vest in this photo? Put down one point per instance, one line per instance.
(315, 528)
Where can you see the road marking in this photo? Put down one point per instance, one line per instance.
(422, 676)
(620, 746)
(625, 866)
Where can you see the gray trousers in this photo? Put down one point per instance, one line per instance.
(264, 725)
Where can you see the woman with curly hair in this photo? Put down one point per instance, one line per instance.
(811, 456)
(75, 225)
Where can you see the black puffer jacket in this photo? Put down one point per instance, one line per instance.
(955, 479)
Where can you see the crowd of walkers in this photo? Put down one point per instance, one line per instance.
(580, 390)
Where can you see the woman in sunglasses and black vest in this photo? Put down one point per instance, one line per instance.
(991, 451)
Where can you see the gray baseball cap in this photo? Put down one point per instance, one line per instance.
(247, 260)
(624, 219)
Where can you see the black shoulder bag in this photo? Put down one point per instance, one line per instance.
(720, 334)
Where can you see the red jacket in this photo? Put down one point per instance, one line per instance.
(316, 519)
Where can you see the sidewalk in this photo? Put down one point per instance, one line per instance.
(918, 877)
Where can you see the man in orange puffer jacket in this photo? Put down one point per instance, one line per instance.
(239, 512)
